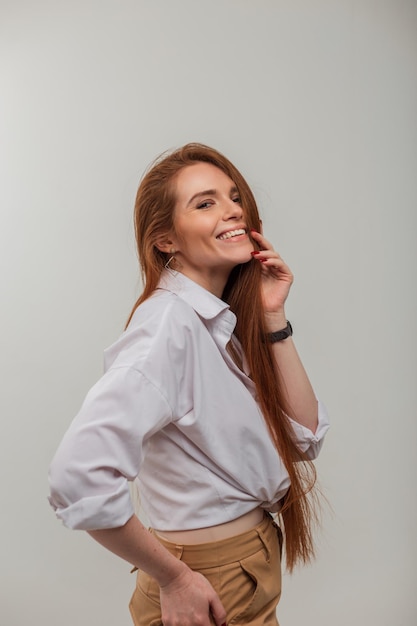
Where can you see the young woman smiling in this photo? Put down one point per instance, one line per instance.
(206, 404)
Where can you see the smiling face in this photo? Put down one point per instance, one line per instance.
(210, 236)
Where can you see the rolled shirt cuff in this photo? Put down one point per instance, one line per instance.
(310, 442)
(108, 510)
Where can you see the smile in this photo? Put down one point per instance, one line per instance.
(232, 233)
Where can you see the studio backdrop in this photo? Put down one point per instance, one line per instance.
(315, 101)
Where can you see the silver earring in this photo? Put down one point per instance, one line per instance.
(171, 258)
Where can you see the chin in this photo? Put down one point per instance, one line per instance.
(248, 256)
(243, 260)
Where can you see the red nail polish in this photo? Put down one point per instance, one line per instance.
(252, 230)
(255, 252)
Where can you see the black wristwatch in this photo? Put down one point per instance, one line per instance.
(280, 335)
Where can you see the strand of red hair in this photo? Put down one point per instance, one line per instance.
(154, 217)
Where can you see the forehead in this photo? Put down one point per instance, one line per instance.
(200, 177)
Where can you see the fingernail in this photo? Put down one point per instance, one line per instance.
(255, 252)
(252, 230)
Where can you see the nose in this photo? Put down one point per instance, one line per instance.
(232, 210)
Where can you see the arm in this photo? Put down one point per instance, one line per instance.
(297, 388)
(276, 282)
(89, 476)
(186, 596)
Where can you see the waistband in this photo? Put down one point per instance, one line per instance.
(219, 553)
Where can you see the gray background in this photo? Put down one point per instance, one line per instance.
(315, 101)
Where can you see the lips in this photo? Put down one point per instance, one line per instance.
(231, 233)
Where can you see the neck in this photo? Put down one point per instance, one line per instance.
(213, 283)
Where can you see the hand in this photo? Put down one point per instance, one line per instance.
(276, 280)
(189, 599)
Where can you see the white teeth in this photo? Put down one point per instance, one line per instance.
(232, 233)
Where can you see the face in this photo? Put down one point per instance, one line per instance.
(210, 231)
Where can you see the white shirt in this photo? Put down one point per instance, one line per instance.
(175, 411)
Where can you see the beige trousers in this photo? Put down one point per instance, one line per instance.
(245, 571)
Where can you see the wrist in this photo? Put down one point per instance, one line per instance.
(275, 321)
(280, 335)
(171, 574)
(175, 578)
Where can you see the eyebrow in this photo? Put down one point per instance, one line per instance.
(208, 192)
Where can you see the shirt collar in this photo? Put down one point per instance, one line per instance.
(206, 304)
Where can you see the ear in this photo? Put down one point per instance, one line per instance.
(165, 244)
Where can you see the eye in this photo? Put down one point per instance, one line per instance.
(237, 199)
(205, 205)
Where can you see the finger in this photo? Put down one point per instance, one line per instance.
(269, 255)
(279, 267)
(266, 254)
(217, 610)
(261, 240)
(271, 261)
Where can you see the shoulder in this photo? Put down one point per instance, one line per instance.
(162, 327)
(161, 303)
(162, 314)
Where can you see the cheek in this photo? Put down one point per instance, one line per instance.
(193, 229)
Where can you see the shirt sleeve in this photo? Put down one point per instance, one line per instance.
(310, 442)
(103, 449)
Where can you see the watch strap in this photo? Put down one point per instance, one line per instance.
(280, 335)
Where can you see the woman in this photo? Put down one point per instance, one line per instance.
(206, 403)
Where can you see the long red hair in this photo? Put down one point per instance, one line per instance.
(154, 218)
